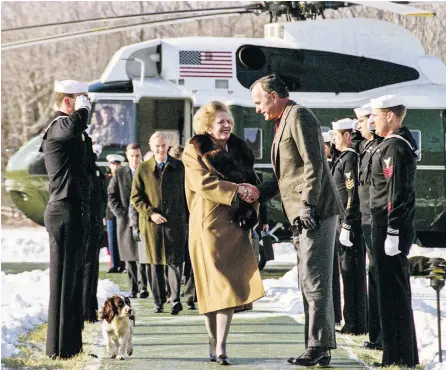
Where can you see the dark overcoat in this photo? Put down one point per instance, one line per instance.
(156, 191)
(119, 191)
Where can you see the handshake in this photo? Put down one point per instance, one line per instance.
(247, 192)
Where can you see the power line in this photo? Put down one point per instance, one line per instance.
(252, 6)
(105, 30)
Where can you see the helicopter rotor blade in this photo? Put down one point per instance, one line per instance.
(252, 6)
(395, 8)
(106, 30)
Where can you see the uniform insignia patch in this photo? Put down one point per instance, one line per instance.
(349, 182)
(388, 170)
(349, 201)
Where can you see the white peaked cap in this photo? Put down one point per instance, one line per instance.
(326, 136)
(70, 87)
(386, 101)
(344, 124)
(364, 110)
(114, 158)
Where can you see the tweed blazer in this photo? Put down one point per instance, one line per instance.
(300, 166)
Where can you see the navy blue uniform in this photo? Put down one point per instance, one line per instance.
(392, 200)
(352, 259)
(365, 159)
(66, 220)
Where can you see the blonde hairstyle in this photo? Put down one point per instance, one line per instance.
(176, 151)
(204, 118)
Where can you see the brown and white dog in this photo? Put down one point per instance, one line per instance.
(118, 320)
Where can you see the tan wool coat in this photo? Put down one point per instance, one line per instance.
(225, 268)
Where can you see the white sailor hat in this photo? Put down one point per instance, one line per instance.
(327, 136)
(364, 110)
(70, 87)
(386, 101)
(114, 158)
(344, 124)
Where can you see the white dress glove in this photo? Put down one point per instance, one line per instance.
(97, 149)
(391, 244)
(82, 101)
(344, 238)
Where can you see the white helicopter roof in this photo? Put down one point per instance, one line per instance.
(369, 38)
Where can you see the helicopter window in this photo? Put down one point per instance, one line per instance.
(253, 137)
(416, 134)
(319, 71)
(112, 123)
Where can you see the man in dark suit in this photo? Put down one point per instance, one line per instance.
(119, 191)
(311, 204)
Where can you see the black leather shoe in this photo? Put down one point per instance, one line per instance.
(112, 270)
(144, 294)
(191, 306)
(373, 345)
(132, 295)
(158, 309)
(223, 360)
(176, 308)
(212, 358)
(311, 357)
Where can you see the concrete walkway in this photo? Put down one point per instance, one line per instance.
(258, 340)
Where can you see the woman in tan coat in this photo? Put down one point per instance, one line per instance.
(219, 174)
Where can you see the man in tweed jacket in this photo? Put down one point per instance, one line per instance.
(310, 202)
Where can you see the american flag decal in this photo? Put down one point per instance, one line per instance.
(217, 64)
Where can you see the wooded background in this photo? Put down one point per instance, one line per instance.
(28, 74)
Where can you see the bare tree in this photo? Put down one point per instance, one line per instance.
(28, 74)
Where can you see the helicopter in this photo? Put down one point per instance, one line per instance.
(329, 65)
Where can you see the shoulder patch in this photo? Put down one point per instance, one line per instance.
(388, 167)
(349, 182)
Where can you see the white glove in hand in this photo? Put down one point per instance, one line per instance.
(344, 238)
(82, 102)
(97, 149)
(391, 245)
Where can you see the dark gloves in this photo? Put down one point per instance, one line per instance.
(307, 215)
(135, 234)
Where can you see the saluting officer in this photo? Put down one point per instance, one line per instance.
(349, 238)
(66, 215)
(392, 200)
(365, 124)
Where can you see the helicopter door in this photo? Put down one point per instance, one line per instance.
(173, 117)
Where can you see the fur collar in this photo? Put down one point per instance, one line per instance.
(235, 165)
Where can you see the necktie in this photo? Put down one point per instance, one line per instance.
(161, 166)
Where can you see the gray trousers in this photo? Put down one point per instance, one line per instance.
(157, 283)
(315, 250)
